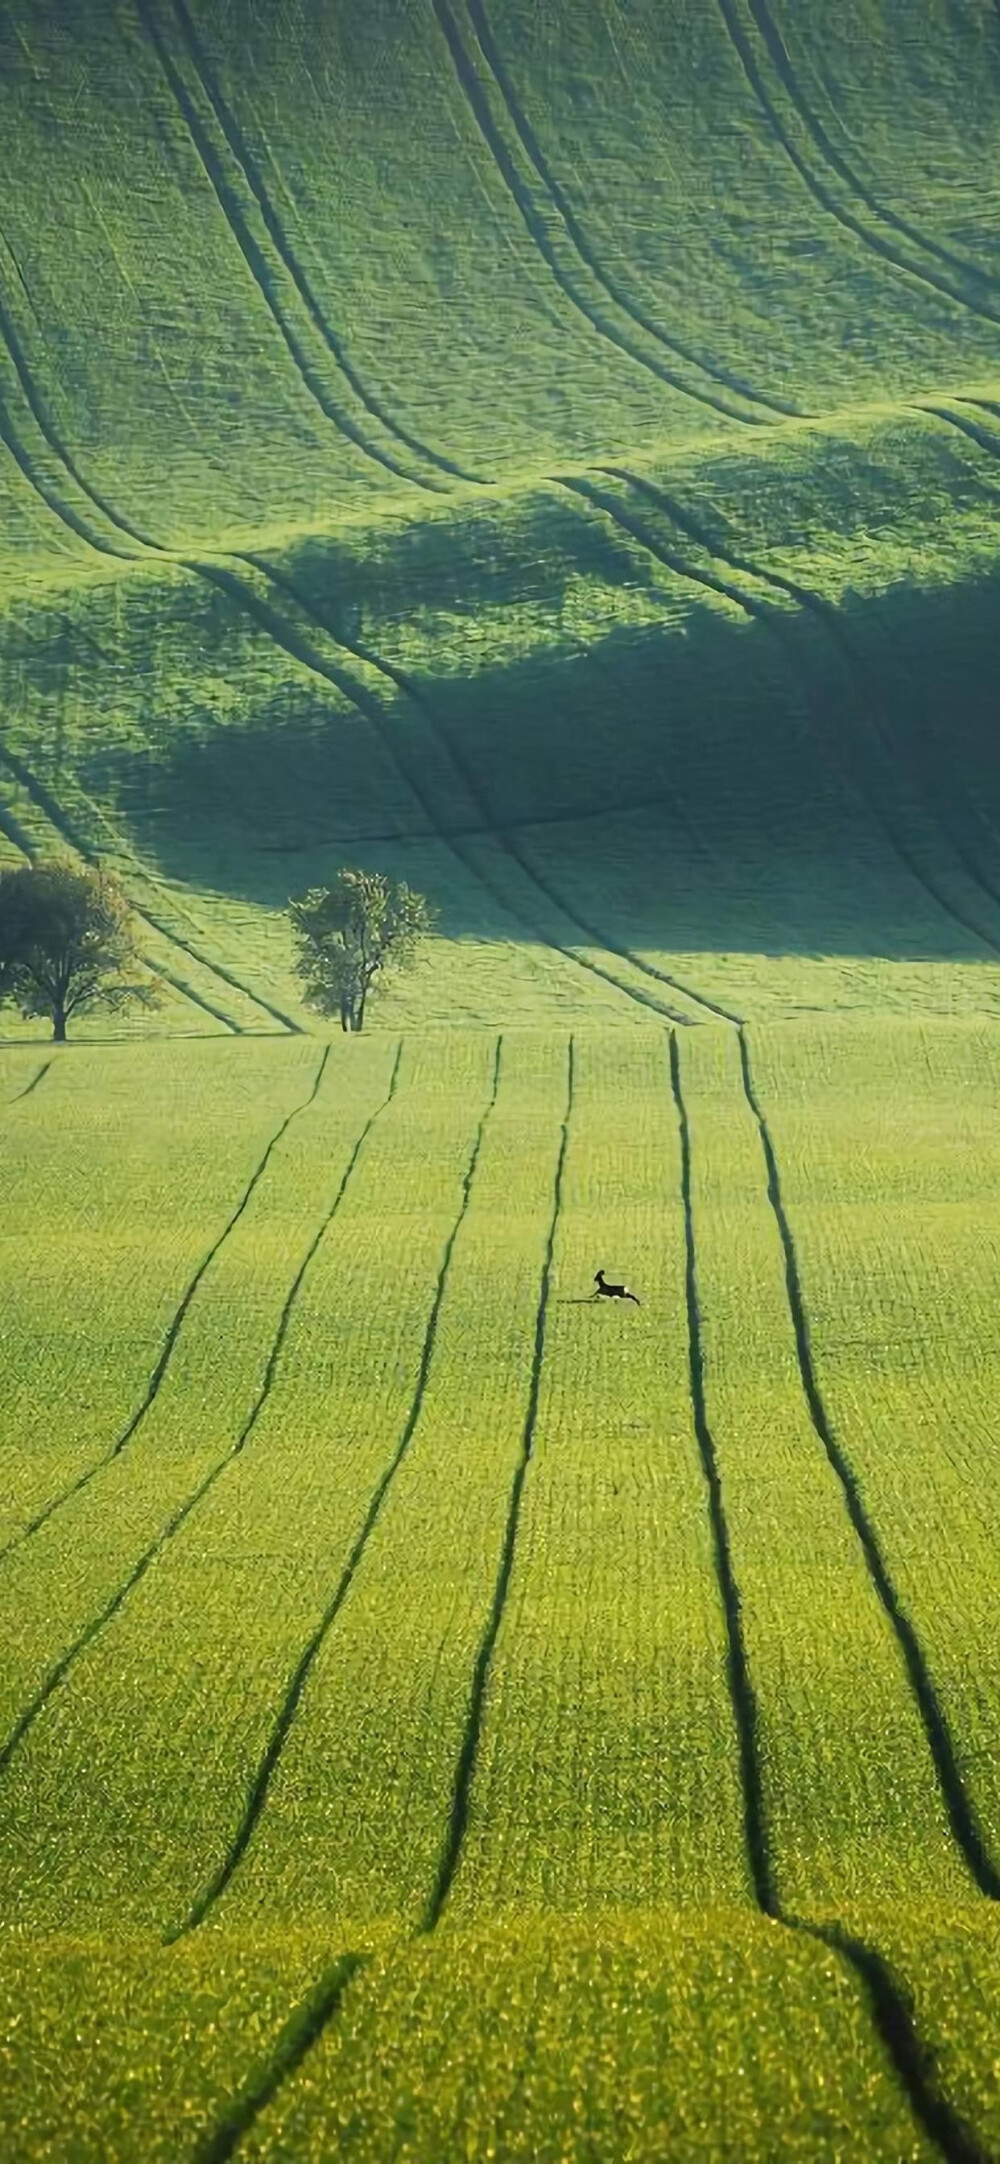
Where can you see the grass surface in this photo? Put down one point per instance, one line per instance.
(421, 1614)
(549, 455)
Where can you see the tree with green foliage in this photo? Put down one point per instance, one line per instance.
(66, 943)
(349, 933)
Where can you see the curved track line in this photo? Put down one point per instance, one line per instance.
(961, 1815)
(770, 619)
(372, 711)
(251, 172)
(835, 159)
(303, 2028)
(817, 188)
(260, 1785)
(827, 615)
(479, 107)
(890, 2013)
(61, 1669)
(169, 1343)
(781, 408)
(39, 795)
(258, 266)
(909, 2057)
(36, 1079)
(469, 1751)
(69, 518)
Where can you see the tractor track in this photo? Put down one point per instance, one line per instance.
(40, 796)
(308, 2022)
(771, 621)
(174, 1328)
(61, 1668)
(37, 1078)
(780, 409)
(260, 1785)
(831, 156)
(818, 189)
(401, 680)
(890, 2014)
(250, 170)
(961, 1815)
(261, 270)
(826, 615)
(505, 163)
(469, 1751)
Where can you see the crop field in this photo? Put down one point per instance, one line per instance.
(549, 454)
(439, 1709)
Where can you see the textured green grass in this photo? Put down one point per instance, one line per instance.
(551, 455)
(397, 1630)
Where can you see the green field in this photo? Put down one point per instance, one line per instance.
(550, 454)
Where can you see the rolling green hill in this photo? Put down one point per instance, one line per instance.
(550, 453)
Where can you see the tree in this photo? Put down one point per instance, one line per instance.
(349, 933)
(66, 943)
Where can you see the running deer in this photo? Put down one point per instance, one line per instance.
(612, 1292)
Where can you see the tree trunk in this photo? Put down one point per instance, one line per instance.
(59, 1026)
(359, 1012)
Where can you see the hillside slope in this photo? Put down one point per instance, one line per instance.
(552, 453)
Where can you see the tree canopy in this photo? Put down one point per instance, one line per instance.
(66, 943)
(350, 933)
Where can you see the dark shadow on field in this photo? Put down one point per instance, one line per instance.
(702, 780)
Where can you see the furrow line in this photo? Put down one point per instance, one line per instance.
(285, 636)
(300, 2032)
(469, 1752)
(36, 1079)
(889, 2011)
(741, 1689)
(175, 1326)
(961, 1814)
(61, 1669)
(251, 172)
(624, 300)
(65, 514)
(52, 435)
(835, 159)
(479, 107)
(827, 615)
(771, 621)
(818, 189)
(259, 1788)
(258, 266)
(39, 795)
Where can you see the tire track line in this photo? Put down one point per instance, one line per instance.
(771, 621)
(912, 2062)
(827, 616)
(781, 61)
(312, 2017)
(69, 518)
(503, 160)
(781, 408)
(61, 1669)
(45, 803)
(469, 1753)
(891, 2016)
(258, 266)
(817, 188)
(36, 1079)
(961, 1815)
(245, 160)
(176, 1324)
(370, 708)
(261, 1783)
